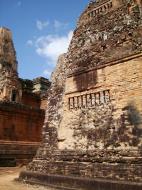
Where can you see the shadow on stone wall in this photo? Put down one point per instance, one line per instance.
(85, 80)
(132, 117)
(99, 127)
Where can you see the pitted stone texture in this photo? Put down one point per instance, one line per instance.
(7, 51)
(113, 124)
(9, 82)
(93, 125)
(54, 112)
(98, 39)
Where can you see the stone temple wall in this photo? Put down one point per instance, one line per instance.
(20, 122)
(104, 115)
(9, 83)
(92, 136)
(22, 111)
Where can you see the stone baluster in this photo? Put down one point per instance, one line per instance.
(71, 102)
(75, 103)
(98, 98)
(88, 100)
(102, 98)
(107, 96)
(93, 100)
(79, 102)
(84, 101)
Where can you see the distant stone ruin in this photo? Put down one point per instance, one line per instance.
(22, 107)
(92, 135)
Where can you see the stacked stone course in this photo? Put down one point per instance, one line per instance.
(88, 142)
(22, 106)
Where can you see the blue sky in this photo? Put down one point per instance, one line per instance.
(42, 29)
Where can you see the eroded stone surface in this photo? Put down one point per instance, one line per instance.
(93, 125)
(22, 106)
(9, 82)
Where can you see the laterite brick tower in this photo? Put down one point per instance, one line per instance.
(10, 87)
(22, 107)
(92, 136)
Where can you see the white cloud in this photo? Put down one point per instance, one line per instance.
(58, 24)
(51, 46)
(47, 72)
(29, 43)
(41, 24)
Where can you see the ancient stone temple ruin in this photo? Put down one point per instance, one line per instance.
(92, 135)
(22, 105)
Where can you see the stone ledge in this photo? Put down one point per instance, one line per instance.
(76, 183)
(23, 143)
(16, 153)
(106, 64)
(7, 105)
